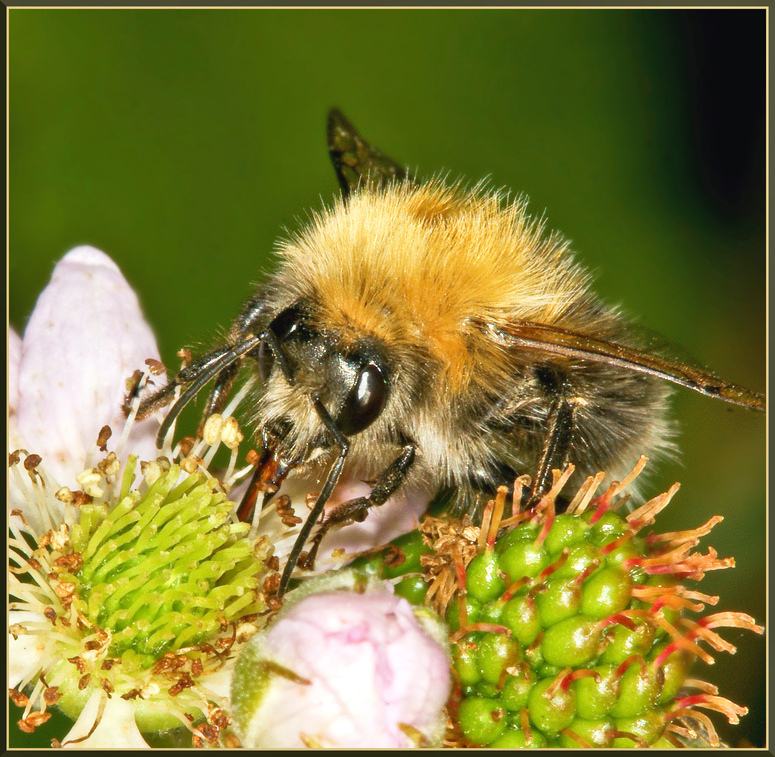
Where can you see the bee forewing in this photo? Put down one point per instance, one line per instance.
(559, 341)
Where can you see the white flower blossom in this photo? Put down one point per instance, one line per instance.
(115, 725)
(126, 599)
(85, 337)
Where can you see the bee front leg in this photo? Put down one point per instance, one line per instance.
(202, 366)
(356, 510)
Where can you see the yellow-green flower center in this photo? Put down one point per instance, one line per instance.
(164, 569)
(144, 592)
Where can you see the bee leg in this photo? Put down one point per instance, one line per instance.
(166, 394)
(343, 443)
(271, 471)
(243, 328)
(356, 510)
(194, 377)
(150, 404)
(556, 448)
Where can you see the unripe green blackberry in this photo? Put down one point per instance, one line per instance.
(569, 630)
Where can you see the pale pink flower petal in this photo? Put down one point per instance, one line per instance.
(371, 668)
(15, 440)
(85, 337)
(399, 515)
(116, 728)
(25, 649)
(14, 361)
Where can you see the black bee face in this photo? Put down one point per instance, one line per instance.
(352, 385)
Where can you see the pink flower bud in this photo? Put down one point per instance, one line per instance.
(344, 669)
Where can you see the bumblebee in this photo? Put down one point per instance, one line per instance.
(420, 333)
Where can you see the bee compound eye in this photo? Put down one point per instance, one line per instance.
(364, 402)
(265, 360)
(289, 324)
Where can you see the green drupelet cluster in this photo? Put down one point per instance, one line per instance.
(568, 629)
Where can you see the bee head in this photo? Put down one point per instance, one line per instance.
(296, 358)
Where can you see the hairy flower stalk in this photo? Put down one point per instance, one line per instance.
(572, 630)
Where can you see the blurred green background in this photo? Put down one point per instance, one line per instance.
(183, 142)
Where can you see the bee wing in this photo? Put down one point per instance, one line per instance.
(357, 162)
(571, 344)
